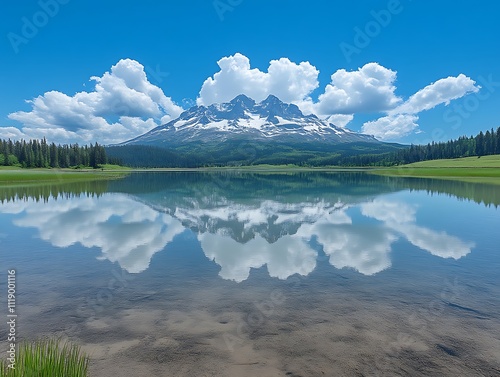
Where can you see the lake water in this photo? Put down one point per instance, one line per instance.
(245, 274)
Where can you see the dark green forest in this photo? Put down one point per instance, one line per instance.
(483, 144)
(40, 154)
(240, 153)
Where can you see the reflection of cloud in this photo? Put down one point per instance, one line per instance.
(437, 243)
(237, 236)
(126, 231)
(366, 249)
(389, 212)
(400, 217)
(287, 256)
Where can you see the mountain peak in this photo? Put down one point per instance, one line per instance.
(243, 99)
(272, 99)
(244, 119)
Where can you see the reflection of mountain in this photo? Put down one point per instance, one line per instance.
(268, 185)
(243, 222)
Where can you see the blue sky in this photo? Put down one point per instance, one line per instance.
(395, 64)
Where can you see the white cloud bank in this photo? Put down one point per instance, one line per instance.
(288, 81)
(402, 121)
(124, 95)
(369, 89)
(124, 104)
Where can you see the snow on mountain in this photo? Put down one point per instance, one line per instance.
(243, 118)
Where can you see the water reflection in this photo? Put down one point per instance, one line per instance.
(400, 218)
(285, 232)
(126, 231)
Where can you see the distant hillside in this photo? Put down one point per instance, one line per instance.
(238, 153)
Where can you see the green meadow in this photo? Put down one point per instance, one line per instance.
(485, 169)
(15, 175)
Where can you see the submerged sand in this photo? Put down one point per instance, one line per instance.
(344, 327)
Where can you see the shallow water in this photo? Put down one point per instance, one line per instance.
(242, 274)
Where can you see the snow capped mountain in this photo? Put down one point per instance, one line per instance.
(243, 118)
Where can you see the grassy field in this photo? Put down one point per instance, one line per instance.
(472, 169)
(14, 175)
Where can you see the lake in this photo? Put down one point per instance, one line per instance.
(270, 274)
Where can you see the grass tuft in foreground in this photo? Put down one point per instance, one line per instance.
(47, 358)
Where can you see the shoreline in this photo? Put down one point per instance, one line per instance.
(471, 169)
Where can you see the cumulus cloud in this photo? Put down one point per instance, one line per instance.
(340, 120)
(124, 104)
(288, 81)
(401, 121)
(369, 89)
(391, 127)
(440, 92)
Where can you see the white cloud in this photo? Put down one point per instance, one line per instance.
(369, 89)
(437, 93)
(401, 121)
(340, 120)
(391, 127)
(10, 133)
(123, 94)
(124, 104)
(288, 81)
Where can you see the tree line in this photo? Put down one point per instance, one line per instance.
(40, 154)
(484, 143)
